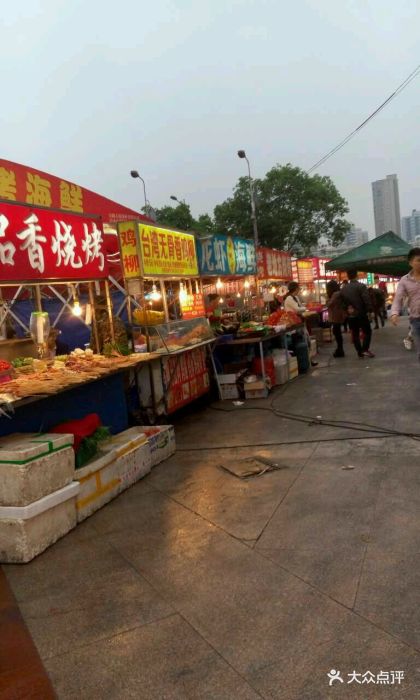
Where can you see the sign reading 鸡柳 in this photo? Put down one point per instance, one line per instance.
(40, 244)
(223, 256)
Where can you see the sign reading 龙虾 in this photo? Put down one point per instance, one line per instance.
(221, 255)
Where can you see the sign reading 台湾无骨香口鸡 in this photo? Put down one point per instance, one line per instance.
(40, 245)
(224, 256)
(151, 251)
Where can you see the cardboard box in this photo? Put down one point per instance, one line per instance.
(256, 390)
(33, 466)
(121, 462)
(26, 531)
(313, 349)
(293, 368)
(229, 391)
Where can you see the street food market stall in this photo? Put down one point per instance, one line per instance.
(227, 268)
(66, 448)
(167, 315)
(44, 249)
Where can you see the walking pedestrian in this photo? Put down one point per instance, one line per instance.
(336, 314)
(359, 309)
(409, 288)
(345, 324)
(377, 300)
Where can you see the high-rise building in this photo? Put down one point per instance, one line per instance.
(356, 236)
(411, 226)
(386, 205)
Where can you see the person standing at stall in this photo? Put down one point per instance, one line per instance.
(359, 309)
(409, 288)
(291, 302)
(336, 315)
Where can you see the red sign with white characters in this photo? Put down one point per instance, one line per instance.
(21, 183)
(274, 264)
(43, 245)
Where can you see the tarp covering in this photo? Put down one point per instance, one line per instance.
(386, 255)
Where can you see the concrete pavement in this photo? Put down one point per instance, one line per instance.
(196, 584)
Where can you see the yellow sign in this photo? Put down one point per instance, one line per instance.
(167, 253)
(130, 260)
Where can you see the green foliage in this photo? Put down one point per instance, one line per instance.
(294, 210)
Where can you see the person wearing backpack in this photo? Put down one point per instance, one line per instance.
(359, 310)
(336, 314)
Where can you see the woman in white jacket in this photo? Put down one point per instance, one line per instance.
(291, 302)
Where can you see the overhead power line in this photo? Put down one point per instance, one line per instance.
(342, 143)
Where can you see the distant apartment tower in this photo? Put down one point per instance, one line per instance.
(386, 205)
(411, 226)
(355, 237)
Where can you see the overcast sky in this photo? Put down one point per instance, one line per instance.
(92, 89)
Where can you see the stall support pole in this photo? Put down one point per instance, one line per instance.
(94, 324)
(164, 300)
(109, 307)
(262, 361)
(38, 302)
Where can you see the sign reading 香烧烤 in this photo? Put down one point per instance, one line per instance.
(222, 256)
(39, 244)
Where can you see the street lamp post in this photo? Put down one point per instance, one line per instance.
(242, 154)
(147, 206)
(180, 201)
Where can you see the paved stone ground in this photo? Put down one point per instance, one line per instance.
(195, 584)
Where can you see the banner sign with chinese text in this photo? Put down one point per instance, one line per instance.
(20, 183)
(318, 269)
(305, 271)
(150, 251)
(223, 256)
(193, 306)
(42, 245)
(130, 259)
(274, 264)
(167, 253)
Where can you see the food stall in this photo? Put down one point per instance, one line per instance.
(274, 273)
(227, 268)
(41, 249)
(167, 315)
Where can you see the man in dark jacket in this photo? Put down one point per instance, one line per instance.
(359, 306)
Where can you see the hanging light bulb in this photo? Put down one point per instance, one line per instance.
(182, 293)
(219, 283)
(155, 295)
(77, 309)
(238, 295)
(221, 301)
(247, 284)
(273, 289)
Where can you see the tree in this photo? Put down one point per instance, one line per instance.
(176, 217)
(294, 210)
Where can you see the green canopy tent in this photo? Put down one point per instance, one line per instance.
(385, 255)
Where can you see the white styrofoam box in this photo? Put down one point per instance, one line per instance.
(229, 378)
(162, 443)
(26, 531)
(313, 348)
(282, 373)
(33, 466)
(122, 460)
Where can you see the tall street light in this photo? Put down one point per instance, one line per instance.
(147, 206)
(242, 154)
(180, 201)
